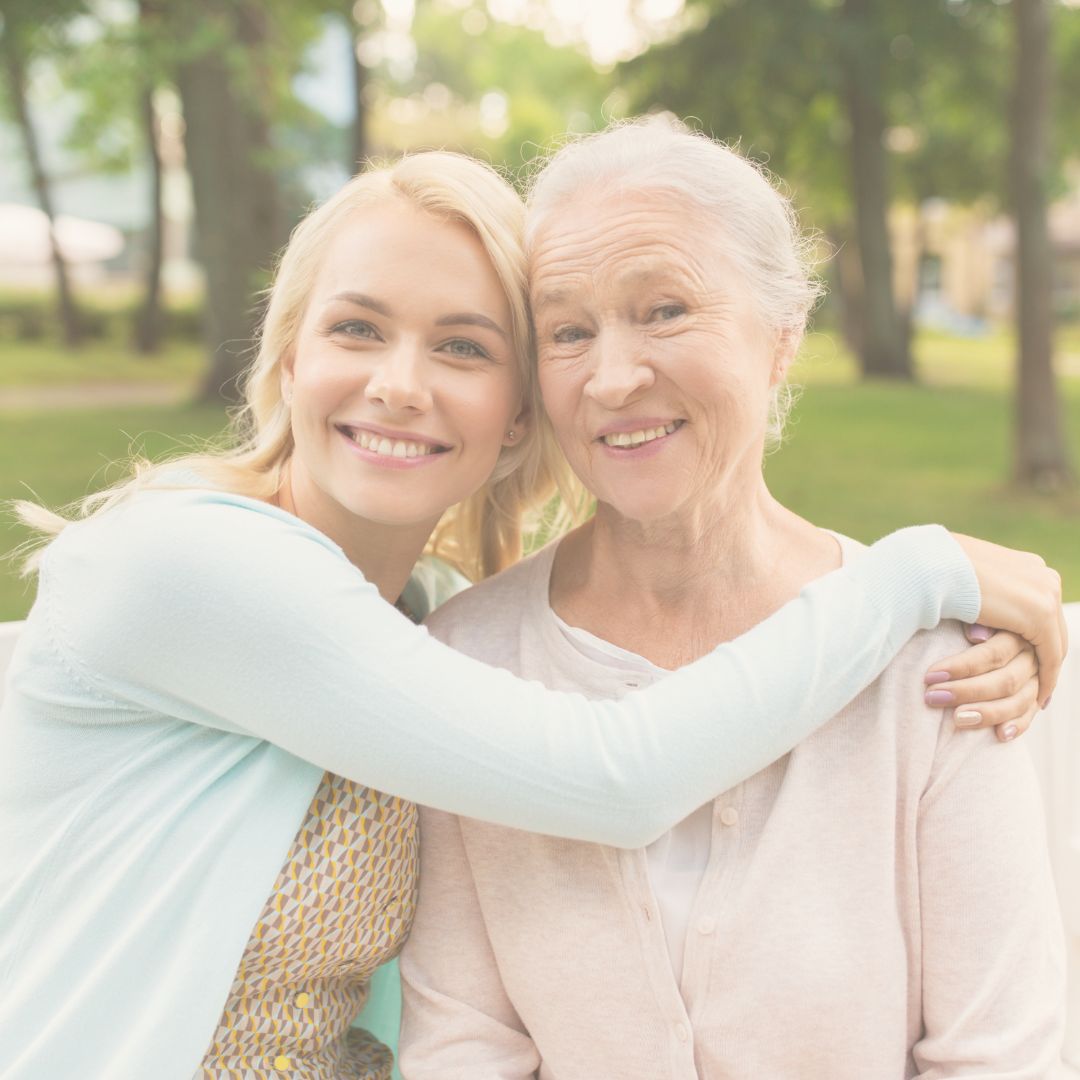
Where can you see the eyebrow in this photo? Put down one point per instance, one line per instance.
(459, 318)
(466, 318)
(362, 300)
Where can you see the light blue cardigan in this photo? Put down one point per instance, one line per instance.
(196, 660)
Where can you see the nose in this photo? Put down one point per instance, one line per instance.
(621, 371)
(400, 381)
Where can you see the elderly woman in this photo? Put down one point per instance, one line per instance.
(876, 904)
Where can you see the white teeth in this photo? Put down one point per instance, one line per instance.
(638, 438)
(398, 448)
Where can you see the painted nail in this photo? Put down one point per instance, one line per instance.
(932, 677)
(968, 718)
(939, 697)
(978, 632)
(1009, 732)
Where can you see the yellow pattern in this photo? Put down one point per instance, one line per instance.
(341, 906)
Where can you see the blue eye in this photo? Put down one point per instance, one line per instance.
(666, 312)
(568, 335)
(464, 349)
(355, 328)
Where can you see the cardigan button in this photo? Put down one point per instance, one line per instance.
(281, 1062)
(302, 1000)
(729, 816)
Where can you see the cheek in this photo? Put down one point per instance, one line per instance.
(559, 393)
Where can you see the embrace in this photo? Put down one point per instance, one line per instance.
(709, 791)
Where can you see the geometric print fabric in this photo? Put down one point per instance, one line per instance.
(342, 905)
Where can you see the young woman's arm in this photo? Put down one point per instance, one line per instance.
(228, 613)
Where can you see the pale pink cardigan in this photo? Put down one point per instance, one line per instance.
(878, 905)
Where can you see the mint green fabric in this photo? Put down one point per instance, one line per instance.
(382, 1013)
(195, 661)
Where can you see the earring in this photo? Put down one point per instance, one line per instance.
(511, 434)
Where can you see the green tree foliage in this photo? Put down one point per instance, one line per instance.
(487, 87)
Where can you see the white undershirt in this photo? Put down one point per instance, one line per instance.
(676, 862)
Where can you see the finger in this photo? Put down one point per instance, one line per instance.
(1018, 709)
(1050, 655)
(979, 659)
(1004, 731)
(997, 685)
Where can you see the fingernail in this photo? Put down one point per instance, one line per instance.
(1046, 703)
(939, 697)
(1009, 732)
(978, 632)
(968, 718)
(936, 677)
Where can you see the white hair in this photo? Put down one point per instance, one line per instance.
(764, 241)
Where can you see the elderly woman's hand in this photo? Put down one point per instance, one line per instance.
(1020, 594)
(995, 683)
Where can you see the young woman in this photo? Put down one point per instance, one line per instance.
(215, 716)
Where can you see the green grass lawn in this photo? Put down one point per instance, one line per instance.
(861, 458)
(38, 364)
(60, 456)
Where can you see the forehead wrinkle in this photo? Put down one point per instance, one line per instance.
(620, 250)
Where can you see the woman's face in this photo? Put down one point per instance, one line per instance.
(654, 367)
(404, 380)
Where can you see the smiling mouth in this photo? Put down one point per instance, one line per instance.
(633, 439)
(384, 447)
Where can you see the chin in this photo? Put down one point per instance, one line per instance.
(393, 511)
(643, 510)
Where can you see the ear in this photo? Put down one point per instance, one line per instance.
(784, 353)
(288, 362)
(519, 426)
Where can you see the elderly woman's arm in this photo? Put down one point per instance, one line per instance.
(992, 951)
(457, 1021)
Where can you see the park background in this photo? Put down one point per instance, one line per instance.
(154, 155)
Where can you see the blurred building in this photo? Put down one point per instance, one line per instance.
(955, 265)
(120, 200)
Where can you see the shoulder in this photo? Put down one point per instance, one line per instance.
(181, 555)
(164, 531)
(496, 606)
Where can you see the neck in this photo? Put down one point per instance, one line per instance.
(672, 589)
(384, 554)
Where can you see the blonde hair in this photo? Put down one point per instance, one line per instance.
(764, 240)
(481, 535)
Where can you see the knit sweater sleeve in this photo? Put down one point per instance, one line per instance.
(224, 612)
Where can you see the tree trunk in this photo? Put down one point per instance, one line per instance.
(148, 323)
(847, 293)
(1042, 458)
(16, 78)
(884, 342)
(238, 220)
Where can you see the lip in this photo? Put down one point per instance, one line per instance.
(393, 433)
(386, 461)
(645, 449)
(638, 423)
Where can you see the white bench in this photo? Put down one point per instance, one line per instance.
(1054, 743)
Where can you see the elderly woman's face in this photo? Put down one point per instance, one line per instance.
(655, 368)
